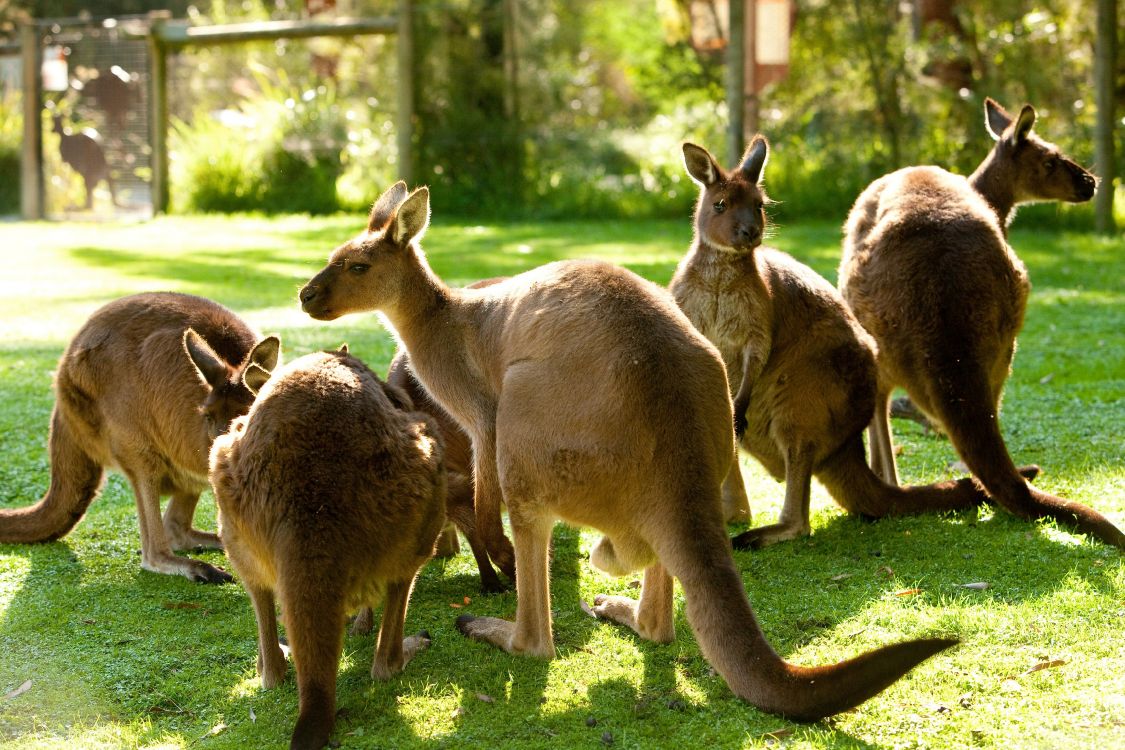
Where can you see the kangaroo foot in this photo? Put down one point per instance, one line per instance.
(447, 544)
(490, 583)
(185, 540)
(194, 570)
(764, 536)
(625, 611)
(500, 633)
(362, 623)
(411, 647)
(272, 668)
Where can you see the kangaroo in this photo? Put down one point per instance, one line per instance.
(590, 398)
(331, 498)
(459, 470)
(802, 368)
(927, 269)
(86, 156)
(145, 386)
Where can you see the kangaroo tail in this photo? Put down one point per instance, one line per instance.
(857, 489)
(75, 480)
(732, 641)
(974, 430)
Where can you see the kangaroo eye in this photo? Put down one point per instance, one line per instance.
(358, 268)
(720, 206)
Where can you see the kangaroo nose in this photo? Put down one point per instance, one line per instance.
(307, 294)
(749, 233)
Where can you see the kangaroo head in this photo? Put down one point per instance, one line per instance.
(1035, 169)
(730, 215)
(367, 272)
(230, 389)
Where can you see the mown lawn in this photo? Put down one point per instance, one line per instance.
(118, 657)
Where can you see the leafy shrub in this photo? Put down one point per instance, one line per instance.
(11, 136)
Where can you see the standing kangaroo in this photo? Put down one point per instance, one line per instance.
(331, 496)
(86, 156)
(459, 470)
(927, 269)
(144, 387)
(802, 368)
(590, 398)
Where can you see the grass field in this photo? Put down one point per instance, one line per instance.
(118, 657)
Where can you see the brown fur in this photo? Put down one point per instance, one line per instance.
(590, 398)
(459, 466)
(928, 271)
(331, 497)
(144, 387)
(803, 367)
(87, 157)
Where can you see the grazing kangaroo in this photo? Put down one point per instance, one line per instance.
(459, 470)
(927, 269)
(590, 398)
(331, 497)
(86, 156)
(146, 385)
(801, 366)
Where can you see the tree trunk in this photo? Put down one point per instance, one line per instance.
(1105, 67)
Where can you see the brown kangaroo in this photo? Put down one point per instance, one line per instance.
(331, 496)
(927, 269)
(144, 387)
(459, 470)
(590, 398)
(86, 156)
(802, 367)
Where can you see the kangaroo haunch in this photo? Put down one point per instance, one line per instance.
(802, 367)
(927, 269)
(590, 398)
(331, 498)
(144, 387)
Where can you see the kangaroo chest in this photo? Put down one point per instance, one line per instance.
(729, 303)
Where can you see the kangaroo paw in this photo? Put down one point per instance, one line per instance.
(362, 623)
(764, 536)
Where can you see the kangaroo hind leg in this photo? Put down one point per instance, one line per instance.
(794, 520)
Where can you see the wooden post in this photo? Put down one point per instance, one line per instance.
(1105, 65)
(736, 62)
(158, 110)
(750, 65)
(405, 115)
(31, 154)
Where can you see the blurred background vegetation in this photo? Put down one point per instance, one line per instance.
(587, 119)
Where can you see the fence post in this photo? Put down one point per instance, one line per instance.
(405, 115)
(736, 60)
(158, 109)
(31, 154)
(1105, 63)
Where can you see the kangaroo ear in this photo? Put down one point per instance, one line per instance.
(265, 353)
(398, 397)
(1024, 124)
(754, 160)
(254, 377)
(211, 368)
(412, 217)
(343, 349)
(701, 165)
(385, 207)
(996, 118)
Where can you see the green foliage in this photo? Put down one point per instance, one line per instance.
(122, 658)
(11, 137)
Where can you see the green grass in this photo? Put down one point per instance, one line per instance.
(118, 657)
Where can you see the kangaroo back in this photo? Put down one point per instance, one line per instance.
(332, 497)
(144, 386)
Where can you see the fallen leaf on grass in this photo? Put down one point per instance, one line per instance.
(181, 605)
(977, 586)
(1046, 665)
(485, 698)
(468, 600)
(458, 712)
(886, 570)
(841, 576)
(253, 716)
(455, 605)
(1046, 378)
(854, 634)
(19, 691)
(217, 729)
(777, 734)
(908, 592)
